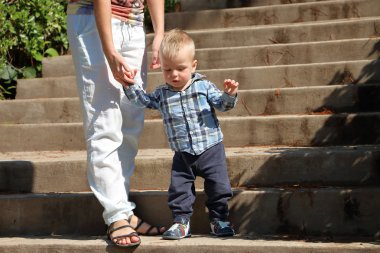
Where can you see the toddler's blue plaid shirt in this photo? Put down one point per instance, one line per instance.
(189, 117)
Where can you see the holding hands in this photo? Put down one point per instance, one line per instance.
(120, 69)
(230, 87)
(123, 73)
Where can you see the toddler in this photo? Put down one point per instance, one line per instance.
(186, 103)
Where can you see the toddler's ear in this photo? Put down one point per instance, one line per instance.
(194, 65)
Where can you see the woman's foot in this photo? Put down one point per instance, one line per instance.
(122, 234)
(144, 228)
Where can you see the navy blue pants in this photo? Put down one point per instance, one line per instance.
(210, 165)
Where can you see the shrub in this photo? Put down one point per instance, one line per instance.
(30, 30)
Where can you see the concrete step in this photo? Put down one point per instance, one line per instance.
(195, 244)
(364, 27)
(274, 14)
(263, 77)
(268, 55)
(308, 100)
(291, 130)
(305, 100)
(194, 5)
(58, 66)
(286, 54)
(295, 75)
(50, 87)
(331, 211)
(42, 110)
(325, 191)
(65, 171)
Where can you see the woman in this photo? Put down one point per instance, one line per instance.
(107, 41)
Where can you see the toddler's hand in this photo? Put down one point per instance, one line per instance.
(231, 87)
(129, 77)
(120, 69)
(130, 74)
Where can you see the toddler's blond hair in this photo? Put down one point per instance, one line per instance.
(174, 41)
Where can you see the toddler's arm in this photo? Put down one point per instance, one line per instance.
(140, 98)
(226, 100)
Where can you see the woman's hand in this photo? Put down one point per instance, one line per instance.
(120, 70)
(155, 51)
(156, 10)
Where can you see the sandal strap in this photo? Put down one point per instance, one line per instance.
(126, 235)
(139, 222)
(111, 230)
(151, 228)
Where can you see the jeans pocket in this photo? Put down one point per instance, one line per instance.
(90, 47)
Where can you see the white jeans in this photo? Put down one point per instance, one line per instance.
(111, 125)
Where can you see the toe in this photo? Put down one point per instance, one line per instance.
(134, 239)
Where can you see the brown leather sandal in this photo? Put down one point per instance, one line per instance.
(149, 231)
(132, 244)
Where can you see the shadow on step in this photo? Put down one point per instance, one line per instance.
(16, 177)
(358, 129)
(369, 74)
(344, 129)
(366, 99)
(303, 193)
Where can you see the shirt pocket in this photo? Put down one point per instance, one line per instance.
(208, 119)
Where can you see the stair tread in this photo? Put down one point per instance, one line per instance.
(249, 191)
(224, 118)
(248, 243)
(297, 12)
(76, 155)
(258, 90)
(283, 25)
(274, 185)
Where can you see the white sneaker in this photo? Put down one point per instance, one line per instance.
(177, 231)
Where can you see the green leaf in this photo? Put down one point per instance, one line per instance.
(51, 52)
(8, 73)
(38, 56)
(29, 72)
(30, 30)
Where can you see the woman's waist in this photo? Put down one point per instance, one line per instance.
(126, 15)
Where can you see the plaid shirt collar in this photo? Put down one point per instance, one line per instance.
(194, 77)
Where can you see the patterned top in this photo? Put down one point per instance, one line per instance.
(189, 117)
(129, 11)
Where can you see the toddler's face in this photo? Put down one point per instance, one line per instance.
(177, 70)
